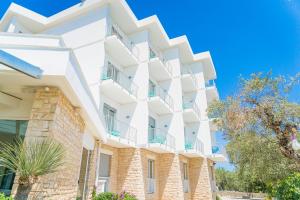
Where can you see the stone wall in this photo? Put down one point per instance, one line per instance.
(53, 116)
(170, 182)
(200, 184)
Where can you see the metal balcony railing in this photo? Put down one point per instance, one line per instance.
(163, 94)
(188, 103)
(151, 185)
(159, 136)
(154, 54)
(120, 129)
(110, 71)
(196, 145)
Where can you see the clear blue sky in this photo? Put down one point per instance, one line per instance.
(243, 36)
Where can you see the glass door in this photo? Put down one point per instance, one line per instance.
(112, 72)
(110, 117)
(151, 129)
(152, 89)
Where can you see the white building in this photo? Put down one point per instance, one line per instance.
(133, 86)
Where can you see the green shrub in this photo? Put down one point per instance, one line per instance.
(106, 196)
(126, 196)
(112, 196)
(289, 188)
(218, 198)
(3, 197)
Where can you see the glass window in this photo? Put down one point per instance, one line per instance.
(9, 129)
(151, 174)
(105, 162)
(185, 171)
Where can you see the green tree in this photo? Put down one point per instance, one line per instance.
(31, 160)
(261, 107)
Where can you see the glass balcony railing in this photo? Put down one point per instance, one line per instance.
(155, 54)
(190, 104)
(196, 145)
(210, 83)
(162, 93)
(186, 70)
(114, 29)
(111, 72)
(120, 129)
(159, 136)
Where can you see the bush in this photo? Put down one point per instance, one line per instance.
(218, 198)
(106, 196)
(289, 188)
(3, 197)
(112, 196)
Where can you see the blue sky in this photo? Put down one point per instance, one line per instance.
(243, 36)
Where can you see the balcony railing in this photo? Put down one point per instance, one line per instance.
(111, 72)
(163, 94)
(114, 29)
(210, 83)
(151, 185)
(188, 103)
(186, 70)
(159, 136)
(196, 145)
(154, 54)
(121, 130)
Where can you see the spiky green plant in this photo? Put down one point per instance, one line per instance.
(31, 159)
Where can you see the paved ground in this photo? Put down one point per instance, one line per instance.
(228, 198)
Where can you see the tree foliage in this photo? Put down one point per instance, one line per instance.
(261, 107)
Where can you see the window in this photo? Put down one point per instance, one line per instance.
(151, 176)
(185, 177)
(152, 89)
(104, 172)
(9, 129)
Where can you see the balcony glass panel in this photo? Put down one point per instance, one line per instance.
(156, 91)
(159, 136)
(110, 71)
(117, 128)
(188, 103)
(154, 54)
(196, 145)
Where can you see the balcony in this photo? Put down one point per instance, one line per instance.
(188, 79)
(211, 91)
(159, 69)
(160, 141)
(191, 111)
(120, 47)
(218, 155)
(193, 148)
(117, 85)
(160, 101)
(120, 134)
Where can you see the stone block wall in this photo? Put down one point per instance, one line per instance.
(200, 184)
(54, 116)
(170, 182)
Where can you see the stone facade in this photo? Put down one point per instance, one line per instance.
(200, 179)
(53, 116)
(129, 172)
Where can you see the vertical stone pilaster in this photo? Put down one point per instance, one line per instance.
(170, 182)
(200, 184)
(130, 174)
(54, 116)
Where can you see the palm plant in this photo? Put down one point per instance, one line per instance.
(31, 159)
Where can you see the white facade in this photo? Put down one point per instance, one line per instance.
(100, 55)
